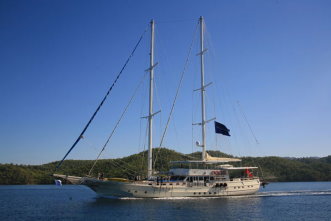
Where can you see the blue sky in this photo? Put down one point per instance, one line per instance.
(268, 60)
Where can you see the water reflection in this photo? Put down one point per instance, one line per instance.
(80, 203)
(200, 208)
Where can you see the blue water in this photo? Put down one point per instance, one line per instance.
(278, 201)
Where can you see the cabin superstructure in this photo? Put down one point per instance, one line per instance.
(212, 170)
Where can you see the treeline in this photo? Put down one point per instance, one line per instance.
(271, 168)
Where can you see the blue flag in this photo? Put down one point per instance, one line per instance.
(221, 129)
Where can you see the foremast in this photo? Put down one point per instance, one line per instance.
(151, 114)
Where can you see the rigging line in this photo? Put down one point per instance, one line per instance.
(128, 166)
(192, 118)
(144, 150)
(103, 100)
(132, 171)
(178, 20)
(177, 91)
(194, 103)
(261, 170)
(142, 141)
(249, 126)
(118, 122)
(119, 165)
(123, 168)
(193, 158)
(158, 100)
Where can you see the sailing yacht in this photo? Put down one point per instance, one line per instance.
(207, 177)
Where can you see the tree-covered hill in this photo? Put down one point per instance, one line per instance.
(272, 168)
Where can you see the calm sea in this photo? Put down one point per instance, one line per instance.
(278, 201)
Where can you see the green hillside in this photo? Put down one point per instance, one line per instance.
(273, 168)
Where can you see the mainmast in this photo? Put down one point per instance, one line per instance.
(150, 114)
(203, 115)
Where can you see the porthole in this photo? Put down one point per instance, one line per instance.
(145, 192)
(214, 192)
(129, 191)
(195, 193)
(136, 191)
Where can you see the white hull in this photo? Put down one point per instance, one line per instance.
(145, 189)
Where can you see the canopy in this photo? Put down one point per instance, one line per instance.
(210, 160)
(220, 159)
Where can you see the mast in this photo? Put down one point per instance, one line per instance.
(150, 115)
(203, 115)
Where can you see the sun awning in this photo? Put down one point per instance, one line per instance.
(220, 159)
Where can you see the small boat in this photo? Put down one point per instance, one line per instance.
(207, 177)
